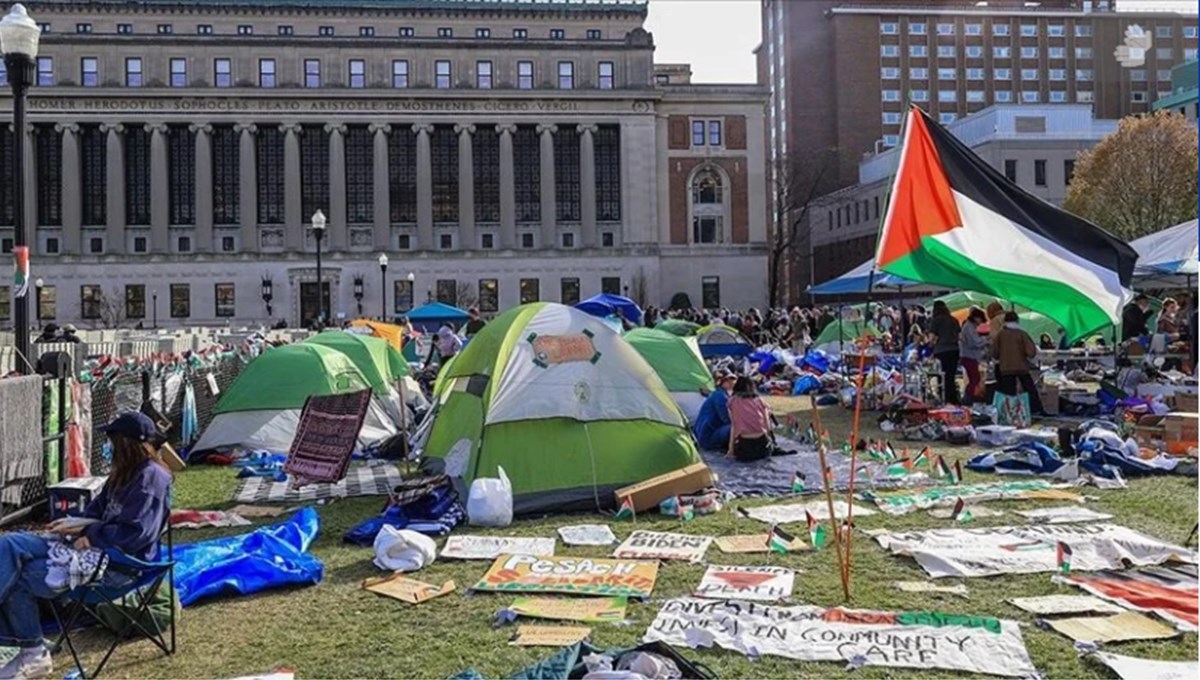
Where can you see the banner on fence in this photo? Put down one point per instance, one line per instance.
(660, 545)
(491, 547)
(890, 639)
(768, 584)
(586, 609)
(909, 501)
(573, 575)
(1029, 549)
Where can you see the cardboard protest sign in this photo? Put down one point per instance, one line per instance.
(794, 513)
(406, 589)
(905, 502)
(1168, 591)
(586, 609)
(587, 534)
(1063, 515)
(491, 547)
(661, 545)
(752, 543)
(1029, 549)
(1127, 626)
(768, 584)
(889, 639)
(573, 575)
(549, 636)
(1132, 668)
(1065, 604)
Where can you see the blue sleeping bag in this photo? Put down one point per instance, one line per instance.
(269, 557)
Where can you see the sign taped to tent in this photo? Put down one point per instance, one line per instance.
(561, 349)
(491, 547)
(660, 545)
(904, 503)
(767, 584)
(573, 575)
(891, 639)
(1029, 549)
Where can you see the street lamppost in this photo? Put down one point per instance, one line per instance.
(383, 263)
(37, 299)
(359, 291)
(412, 289)
(318, 227)
(268, 294)
(19, 42)
(154, 307)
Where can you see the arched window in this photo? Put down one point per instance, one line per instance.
(708, 207)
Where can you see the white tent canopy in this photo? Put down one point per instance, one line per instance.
(1168, 257)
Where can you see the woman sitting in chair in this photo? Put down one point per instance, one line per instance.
(127, 516)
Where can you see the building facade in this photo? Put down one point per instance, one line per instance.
(1034, 146)
(497, 151)
(842, 72)
(1182, 98)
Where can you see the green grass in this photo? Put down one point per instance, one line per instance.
(335, 629)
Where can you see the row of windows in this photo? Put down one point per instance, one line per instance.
(852, 213)
(1026, 30)
(356, 73)
(1006, 52)
(1054, 74)
(330, 31)
(999, 96)
(706, 133)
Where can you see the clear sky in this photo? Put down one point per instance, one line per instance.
(715, 36)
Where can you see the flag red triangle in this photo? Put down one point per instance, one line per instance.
(743, 580)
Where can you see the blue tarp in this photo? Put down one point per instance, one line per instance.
(1030, 457)
(269, 557)
(604, 305)
(431, 315)
(858, 280)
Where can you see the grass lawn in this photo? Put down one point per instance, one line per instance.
(335, 629)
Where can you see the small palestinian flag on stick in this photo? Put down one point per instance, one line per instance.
(626, 509)
(1064, 557)
(922, 458)
(957, 478)
(779, 540)
(798, 482)
(940, 469)
(907, 462)
(889, 451)
(960, 512)
(817, 535)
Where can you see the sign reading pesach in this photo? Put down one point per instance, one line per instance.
(575, 575)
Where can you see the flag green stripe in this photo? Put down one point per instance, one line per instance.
(934, 262)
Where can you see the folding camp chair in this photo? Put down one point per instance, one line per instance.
(140, 583)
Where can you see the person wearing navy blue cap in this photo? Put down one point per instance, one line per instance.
(128, 516)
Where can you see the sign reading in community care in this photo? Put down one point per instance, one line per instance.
(491, 547)
(574, 575)
(659, 545)
(925, 640)
(586, 609)
(1029, 549)
(769, 584)
(906, 502)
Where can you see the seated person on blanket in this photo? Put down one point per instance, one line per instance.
(128, 515)
(750, 434)
(712, 423)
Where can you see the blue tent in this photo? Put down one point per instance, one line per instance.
(430, 316)
(604, 305)
(858, 280)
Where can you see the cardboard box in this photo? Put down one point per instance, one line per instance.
(1186, 403)
(171, 458)
(71, 497)
(1149, 431)
(648, 494)
(1180, 431)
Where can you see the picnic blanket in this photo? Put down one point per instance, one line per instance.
(365, 480)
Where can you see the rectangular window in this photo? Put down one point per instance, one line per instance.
(1010, 169)
(47, 302)
(526, 240)
(133, 72)
(1003, 74)
(1164, 53)
(245, 29)
(566, 75)
(139, 244)
(610, 285)
(445, 32)
(714, 133)
(407, 32)
(947, 74)
(135, 301)
(358, 73)
(366, 31)
(520, 33)
(1069, 170)
(918, 95)
(975, 96)
(1029, 30)
(697, 133)
(1057, 53)
(325, 31)
(446, 241)
(1164, 75)
(593, 34)
(557, 34)
(1137, 74)
(181, 300)
(400, 73)
(973, 29)
(568, 240)
(530, 290)
(974, 74)
(1029, 74)
(1058, 96)
(889, 50)
(165, 29)
(228, 244)
(1029, 97)
(1189, 54)
(569, 291)
(83, 28)
(483, 75)
(489, 295)
(890, 73)
(95, 245)
(223, 294)
(889, 28)
(1056, 30)
(1083, 30)
(483, 33)
(1083, 53)
(1162, 31)
(43, 26)
(1083, 74)
(487, 241)
(605, 76)
(1190, 32)
(179, 73)
(1139, 97)
(947, 96)
(124, 29)
(1084, 96)
(222, 73)
(944, 119)
(266, 73)
(891, 95)
(974, 51)
(918, 73)
(945, 51)
(51, 245)
(201, 29)
(89, 68)
(918, 51)
(945, 29)
(184, 244)
(891, 118)
(441, 74)
(1039, 172)
(1002, 52)
(312, 73)
(402, 296)
(710, 291)
(285, 30)
(525, 75)
(1058, 74)
(1001, 29)
(404, 242)
(1029, 53)
(91, 298)
(1002, 96)
(916, 28)
(607, 239)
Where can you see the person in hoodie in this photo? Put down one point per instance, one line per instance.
(127, 516)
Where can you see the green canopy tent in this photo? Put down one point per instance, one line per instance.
(562, 403)
(678, 362)
(261, 409)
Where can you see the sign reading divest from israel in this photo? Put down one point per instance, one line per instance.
(661, 545)
(746, 583)
(575, 575)
(924, 640)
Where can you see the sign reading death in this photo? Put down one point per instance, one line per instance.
(575, 575)
(746, 583)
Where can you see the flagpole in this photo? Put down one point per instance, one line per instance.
(827, 482)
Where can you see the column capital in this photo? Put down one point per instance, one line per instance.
(339, 128)
(112, 127)
(467, 128)
(290, 127)
(155, 127)
(427, 128)
(62, 127)
(200, 127)
(543, 128)
(375, 128)
(246, 127)
(587, 128)
(506, 128)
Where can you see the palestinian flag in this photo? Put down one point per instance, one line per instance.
(960, 512)
(626, 509)
(956, 478)
(816, 533)
(798, 482)
(940, 469)
(954, 221)
(779, 540)
(1064, 557)
(922, 458)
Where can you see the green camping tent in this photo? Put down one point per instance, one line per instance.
(846, 331)
(563, 404)
(678, 327)
(378, 361)
(676, 359)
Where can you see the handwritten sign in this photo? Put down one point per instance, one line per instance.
(491, 547)
(573, 575)
(753, 543)
(549, 636)
(406, 589)
(746, 583)
(587, 534)
(586, 609)
(658, 545)
(561, 349)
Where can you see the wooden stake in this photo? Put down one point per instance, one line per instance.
(858, 381)
(827, 482)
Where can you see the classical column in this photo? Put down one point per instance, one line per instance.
(663, 188)
(549, 207)
(382, 192)
(424, 187)
(508, 188)
(339, 238)
(248, 189)
(160, 199)
(115, 199)
(204, 189)
(72, 189)
(467, 240)
(293, 199)
(587, 184)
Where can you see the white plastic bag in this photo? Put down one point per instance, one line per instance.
(403, 550)
(490, 501)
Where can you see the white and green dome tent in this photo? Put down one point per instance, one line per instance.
(562, 403)
(678, 362)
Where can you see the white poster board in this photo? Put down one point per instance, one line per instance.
(659, 545)
(764, 584)
(491, 547)
(793, 513)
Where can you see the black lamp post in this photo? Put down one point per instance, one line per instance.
(154, 304)
(38, 284)
(268, 288)
(358, 292)
(318, 227)
(19, 37)
(383, 263)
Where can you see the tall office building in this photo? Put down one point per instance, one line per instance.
(841, 72)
